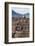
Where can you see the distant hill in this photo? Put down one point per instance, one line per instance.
(15, 14)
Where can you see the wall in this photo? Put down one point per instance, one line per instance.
(2, 23)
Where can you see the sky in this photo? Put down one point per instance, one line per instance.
(21, 10)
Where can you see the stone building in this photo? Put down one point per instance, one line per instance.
(21, 28)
